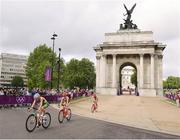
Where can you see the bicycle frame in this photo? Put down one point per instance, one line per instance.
(65, 108)
(64, 113)
(36, 112)
(94, 107)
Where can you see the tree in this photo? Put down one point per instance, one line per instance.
(79, 74)
(17, 81)
(172, 82)
(41, 57)
(134, 78)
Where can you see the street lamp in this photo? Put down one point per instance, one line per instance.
(53, 38)
(59, 69)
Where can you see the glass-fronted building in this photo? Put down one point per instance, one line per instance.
(12, 65)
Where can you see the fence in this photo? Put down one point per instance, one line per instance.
(170, 96)
(23, 100)
(12, 100)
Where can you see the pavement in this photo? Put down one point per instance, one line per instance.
(150, 113)
(12, 126)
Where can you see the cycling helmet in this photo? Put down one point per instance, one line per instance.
(36, 95)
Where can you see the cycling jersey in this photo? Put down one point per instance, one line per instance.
(45, 103)
(64, 100)
(95, 97)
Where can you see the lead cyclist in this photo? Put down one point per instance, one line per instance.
(41, 104)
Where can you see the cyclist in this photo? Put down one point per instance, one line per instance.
(94, 99)
(64, 103)
(40, 103)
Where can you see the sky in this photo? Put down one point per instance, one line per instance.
(81, 24)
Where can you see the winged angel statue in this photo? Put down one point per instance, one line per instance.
(128, 22)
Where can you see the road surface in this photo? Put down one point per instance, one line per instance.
(12, 125)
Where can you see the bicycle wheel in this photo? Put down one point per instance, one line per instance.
(31, 123)
(69, 114)
(46, 120)
(61, 116)
(93, 108)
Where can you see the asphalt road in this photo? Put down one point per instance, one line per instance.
(12, 125)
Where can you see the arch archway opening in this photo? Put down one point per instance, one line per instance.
(128, 79)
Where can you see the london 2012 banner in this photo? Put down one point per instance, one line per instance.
(48, 73)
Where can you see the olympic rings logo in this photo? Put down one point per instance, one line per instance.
(20, 99)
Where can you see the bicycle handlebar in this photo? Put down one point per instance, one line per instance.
(29, 109)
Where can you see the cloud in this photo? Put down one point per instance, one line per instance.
(171, 58)
(81, 25)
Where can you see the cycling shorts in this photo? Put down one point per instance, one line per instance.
(45, 105)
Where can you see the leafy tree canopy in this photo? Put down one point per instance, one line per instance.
(172, 82)
(79, 73)
(134, 78)
(76, 73)
(17, 81)
(41, 57)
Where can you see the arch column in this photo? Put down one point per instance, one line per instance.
(160, 75)
(152, 70)
(114, 71)
(141, 70)
(103, 71)
(98, 71)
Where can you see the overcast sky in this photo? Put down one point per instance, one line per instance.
(81, 24)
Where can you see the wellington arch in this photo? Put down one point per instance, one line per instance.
(133, 47)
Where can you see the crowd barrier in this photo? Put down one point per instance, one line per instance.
(171, 96)
(13, 100)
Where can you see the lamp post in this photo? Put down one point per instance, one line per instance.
(53, 38)
(59, 69)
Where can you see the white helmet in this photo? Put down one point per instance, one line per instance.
(36, 95)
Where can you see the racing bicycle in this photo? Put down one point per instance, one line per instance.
(64, 113)
(94, 107)
(32, 121)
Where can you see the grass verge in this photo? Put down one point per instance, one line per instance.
(170, 102)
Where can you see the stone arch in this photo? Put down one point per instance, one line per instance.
(127, 63)
(123, 60)
(134, 46)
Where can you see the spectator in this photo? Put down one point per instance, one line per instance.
(177, 99)
(1, 92)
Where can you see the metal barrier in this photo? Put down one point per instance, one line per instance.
(16, 100)
(11, 100)
(170, 96)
